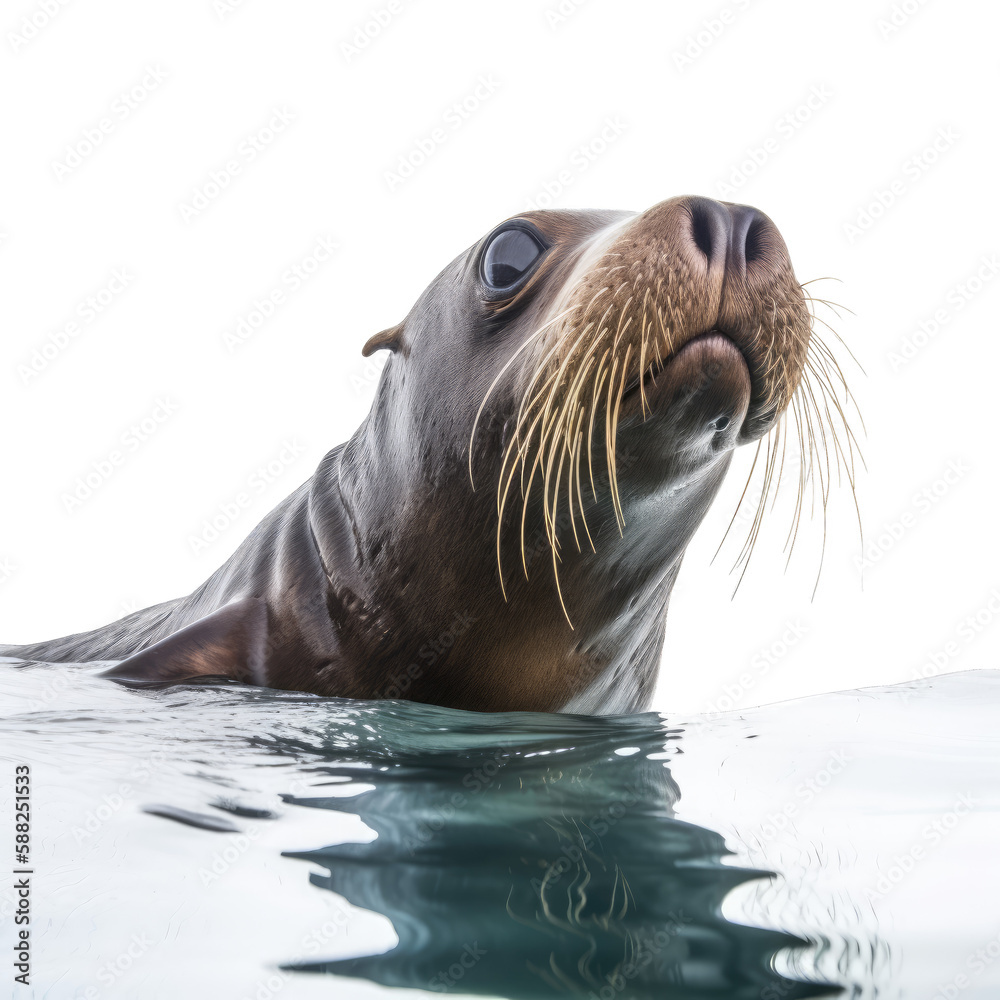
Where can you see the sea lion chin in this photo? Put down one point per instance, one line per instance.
(503, 531)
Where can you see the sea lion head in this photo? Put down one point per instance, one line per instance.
(558, 412)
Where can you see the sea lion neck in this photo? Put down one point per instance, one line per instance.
(332, 513)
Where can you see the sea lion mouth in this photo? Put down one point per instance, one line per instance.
(642, 386)
(709, 379)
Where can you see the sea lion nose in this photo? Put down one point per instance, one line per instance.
(728, 235)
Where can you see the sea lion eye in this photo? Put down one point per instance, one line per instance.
(508, 256)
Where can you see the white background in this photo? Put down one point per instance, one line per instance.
(889, 90)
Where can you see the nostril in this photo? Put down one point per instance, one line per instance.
(752, 241)
(755, 248)
(701, 230)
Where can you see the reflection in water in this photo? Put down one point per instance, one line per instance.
(533, 856)
(191, 752)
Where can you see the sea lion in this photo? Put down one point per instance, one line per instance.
(503, 530)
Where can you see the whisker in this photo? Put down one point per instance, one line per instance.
(824, 438)
(489, 391)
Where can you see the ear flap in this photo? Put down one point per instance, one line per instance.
(387, 340)
(229, 643)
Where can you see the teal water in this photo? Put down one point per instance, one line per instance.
(236, 842)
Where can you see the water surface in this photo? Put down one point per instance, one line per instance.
(237, 842)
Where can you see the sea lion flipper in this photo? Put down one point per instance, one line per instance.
(229, 643)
